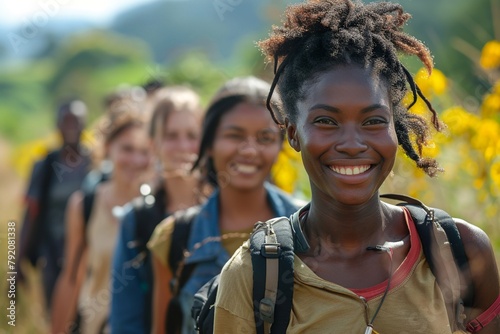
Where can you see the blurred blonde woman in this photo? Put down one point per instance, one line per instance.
(82, 295)
(175, 130)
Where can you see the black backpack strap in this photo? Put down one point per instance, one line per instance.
(88, 202)
(428, 221)
(180, 272)
(271, 247)
(149, 211)
(180, 235)
(203, 311)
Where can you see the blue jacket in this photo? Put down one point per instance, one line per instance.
(211, 256)
(131, 278)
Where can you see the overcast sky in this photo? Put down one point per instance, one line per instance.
(18, 12)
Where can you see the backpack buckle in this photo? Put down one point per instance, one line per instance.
(270, 250)
(266, 309)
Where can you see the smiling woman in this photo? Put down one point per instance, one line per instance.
(342, 86)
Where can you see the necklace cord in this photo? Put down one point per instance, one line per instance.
(389, 252)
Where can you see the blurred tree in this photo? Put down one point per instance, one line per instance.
(195, 69)
(91, 65)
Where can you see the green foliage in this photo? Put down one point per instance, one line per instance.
(83, 58)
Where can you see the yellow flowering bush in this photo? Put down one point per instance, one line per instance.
(286, 171)
(468, 150)
(490, 55)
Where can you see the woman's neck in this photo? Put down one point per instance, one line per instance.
(349, 226)
(338, 230)
(240, 210)
(120, 193)
(182, 192)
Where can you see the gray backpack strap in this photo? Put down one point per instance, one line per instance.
(271, 246)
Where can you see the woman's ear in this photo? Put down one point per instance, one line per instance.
(291, 134)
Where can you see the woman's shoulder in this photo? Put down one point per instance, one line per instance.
(476, 241)
(162, 230)
(235, 300)
(237, 269)
(161, 239)
(240, 261)
(483, 267)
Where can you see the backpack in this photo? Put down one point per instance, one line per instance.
(149, 211)
(34, 224)
(181, 272)
(271, 248)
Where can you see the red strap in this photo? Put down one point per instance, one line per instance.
(484, 318)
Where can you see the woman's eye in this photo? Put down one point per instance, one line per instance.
(193, 136)
(376, 121)
(267, 138)
(325, 121)
(170, 136)
(127, 148)
(235, 136)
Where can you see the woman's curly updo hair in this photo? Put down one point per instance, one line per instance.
(319, 35)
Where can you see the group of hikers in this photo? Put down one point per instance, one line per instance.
(174, 194)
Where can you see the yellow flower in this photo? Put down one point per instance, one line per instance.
(89, 139)
(479, 183)
(431, 150)
(491, 105)
(459, 121)
(285, 170)
(419, 108)
(490, 55)
(496, 87)
(487, 134)
(495, 174)
(24, 156)
(434, 84)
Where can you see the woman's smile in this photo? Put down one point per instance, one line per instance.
(350, 170)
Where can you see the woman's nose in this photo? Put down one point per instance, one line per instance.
(249, 146)
(350, 140)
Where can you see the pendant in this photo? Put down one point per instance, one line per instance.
(369, 330)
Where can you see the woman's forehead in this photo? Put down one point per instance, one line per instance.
(346, 85)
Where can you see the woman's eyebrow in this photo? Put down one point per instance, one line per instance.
(326, 107)
(376, 106)
(232, 127)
